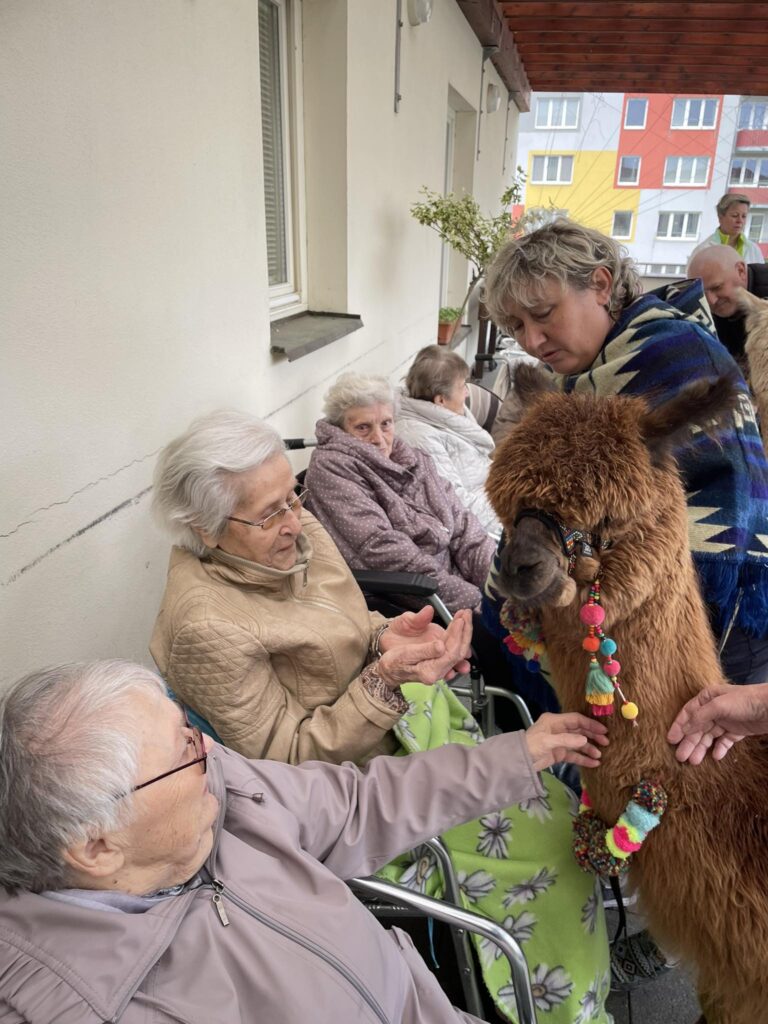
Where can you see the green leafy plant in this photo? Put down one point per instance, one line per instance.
(448, 314)
(459, 221)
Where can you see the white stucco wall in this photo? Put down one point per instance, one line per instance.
(134, 276)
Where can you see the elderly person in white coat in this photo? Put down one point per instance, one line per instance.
(433, 417)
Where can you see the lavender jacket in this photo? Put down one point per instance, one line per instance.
(397, 513)
(290, 942)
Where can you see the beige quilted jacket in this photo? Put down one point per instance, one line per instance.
(271, 658)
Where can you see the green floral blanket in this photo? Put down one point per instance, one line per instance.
(515, 866)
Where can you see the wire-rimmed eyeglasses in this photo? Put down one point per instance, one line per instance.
(294, 505)
(196, 744)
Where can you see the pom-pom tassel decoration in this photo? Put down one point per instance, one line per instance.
(602, 680)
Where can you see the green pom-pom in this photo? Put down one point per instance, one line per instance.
(597, 680)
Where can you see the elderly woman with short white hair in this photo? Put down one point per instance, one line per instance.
(262, 629)
(148, 874)
(433, 417)
(384, 503)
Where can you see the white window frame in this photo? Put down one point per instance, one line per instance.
(290, 297)
(636, 127)
(631, 224)
(629, 184)
(753, 102)
(688, 100)
(678, 182)
(762, 213)
(549, 100)
(739, 180)
(551, 156)
(687, 234)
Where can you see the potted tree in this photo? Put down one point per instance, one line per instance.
(447, 321)
(460, 223)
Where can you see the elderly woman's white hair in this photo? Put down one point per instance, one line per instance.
(353, 390)
(196, 478)
(68, 758)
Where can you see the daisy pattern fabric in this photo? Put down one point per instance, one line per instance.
(516, 867)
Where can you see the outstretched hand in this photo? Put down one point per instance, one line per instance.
(415, 649)
(569, 737)
(717, 718)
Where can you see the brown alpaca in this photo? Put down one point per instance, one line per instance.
(604, 466)
(756, 349)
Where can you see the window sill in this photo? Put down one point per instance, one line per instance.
(297, 336)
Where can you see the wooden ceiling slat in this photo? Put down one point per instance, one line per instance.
(580, 32)
(607, 25)
(652, 84)
(617, 10)
(617, 60)
(643, 51)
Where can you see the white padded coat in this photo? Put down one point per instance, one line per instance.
(460, 449)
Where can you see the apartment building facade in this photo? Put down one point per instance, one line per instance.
(647, 169)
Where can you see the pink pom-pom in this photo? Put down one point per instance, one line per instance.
(591, 614)
(612, 668)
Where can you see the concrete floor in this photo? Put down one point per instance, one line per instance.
(670, 999)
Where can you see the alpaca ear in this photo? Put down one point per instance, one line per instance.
(705, 404)
(531, 382)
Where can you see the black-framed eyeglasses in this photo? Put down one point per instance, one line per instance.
(274, 518)
(196, 746)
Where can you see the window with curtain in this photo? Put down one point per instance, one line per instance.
(750, 171)
(622, 224)
(694, 113)
(557, 112)
(686, 170)
(278, 133)
(629, 170)
(678, 225)
(552, 170)
(753, 114)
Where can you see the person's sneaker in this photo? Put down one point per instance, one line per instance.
(635, 960)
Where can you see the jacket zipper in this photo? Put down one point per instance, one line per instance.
(301, 940)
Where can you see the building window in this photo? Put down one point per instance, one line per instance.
(754, 115)
(552, 170)
(749, 170)
(557, 112)
(694, 113)
(660, 269)
(636, 113)
(279, 133)
(686, 170)
(678, 225)
(629, 170)
(622, 224)
(757, 226)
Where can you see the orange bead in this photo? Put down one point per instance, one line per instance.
(591, 644)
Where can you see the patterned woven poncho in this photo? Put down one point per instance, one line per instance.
(662, 341)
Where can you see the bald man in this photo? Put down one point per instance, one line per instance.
(723, 272)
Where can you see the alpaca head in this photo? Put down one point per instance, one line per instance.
(602, 466)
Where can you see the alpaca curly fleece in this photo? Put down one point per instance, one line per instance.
(605, 465)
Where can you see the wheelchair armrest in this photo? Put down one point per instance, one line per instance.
(380, 582)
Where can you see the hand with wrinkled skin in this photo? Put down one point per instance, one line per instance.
(717, 718)
(570, 737)
(415, 649)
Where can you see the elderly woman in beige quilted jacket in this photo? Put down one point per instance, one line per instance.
(262, 629)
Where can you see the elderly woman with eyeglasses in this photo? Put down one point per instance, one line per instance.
(384, 503)
(137, 886)
(262, 629)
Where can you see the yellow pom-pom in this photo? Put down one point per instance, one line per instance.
(629, 710)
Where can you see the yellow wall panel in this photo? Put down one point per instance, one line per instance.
(591, 199)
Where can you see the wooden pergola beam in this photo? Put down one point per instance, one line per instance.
(493, 30)
(618, 10)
